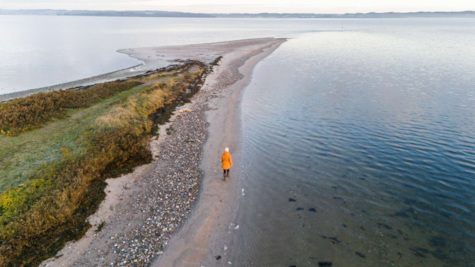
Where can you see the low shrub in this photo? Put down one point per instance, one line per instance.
(38, 218)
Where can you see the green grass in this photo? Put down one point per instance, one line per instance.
(63, 163)
(23, 155)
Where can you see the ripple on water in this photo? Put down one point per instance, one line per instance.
(380, 165)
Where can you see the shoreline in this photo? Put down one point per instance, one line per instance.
(209, 232)
(151, 58)
(143, 210)
(78, 84)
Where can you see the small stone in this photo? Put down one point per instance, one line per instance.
(58, 255)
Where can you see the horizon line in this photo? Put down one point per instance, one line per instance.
(234, 13)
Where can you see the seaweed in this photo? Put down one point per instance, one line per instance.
(404, 213)
(216, 61)
(420, 252)
(438, 241)
(384, 225)
(334, 240)
(99, 228)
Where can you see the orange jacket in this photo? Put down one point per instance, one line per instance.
(227, 161)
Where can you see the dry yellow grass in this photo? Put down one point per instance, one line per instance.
(50, 209)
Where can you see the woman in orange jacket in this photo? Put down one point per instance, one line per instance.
(226, 162)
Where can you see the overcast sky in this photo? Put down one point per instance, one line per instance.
(248, 6)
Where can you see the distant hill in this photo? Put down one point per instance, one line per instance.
(49, 12)
(468, 14)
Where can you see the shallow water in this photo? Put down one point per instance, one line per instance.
(40, 51)
(359, 144)
(359, 150)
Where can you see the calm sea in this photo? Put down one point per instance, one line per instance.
(40, 51)
(359, 149)
(358, 135)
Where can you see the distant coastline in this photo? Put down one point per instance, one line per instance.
(173, 14)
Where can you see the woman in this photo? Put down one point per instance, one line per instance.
(226, 162)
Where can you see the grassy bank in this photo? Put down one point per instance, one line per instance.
(53, 171)
(24, 114)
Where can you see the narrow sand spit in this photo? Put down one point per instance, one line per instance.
(152, 59)
(143, 212)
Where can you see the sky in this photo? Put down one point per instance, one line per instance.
(247, 6)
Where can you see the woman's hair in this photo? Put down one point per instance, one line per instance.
(226, 149)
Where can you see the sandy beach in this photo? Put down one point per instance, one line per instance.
(177, 210)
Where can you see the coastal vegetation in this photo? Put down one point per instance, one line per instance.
(216, 61)
(63, 145)
(24, 114)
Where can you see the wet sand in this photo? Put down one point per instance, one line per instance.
(151, 217)
(210, 227)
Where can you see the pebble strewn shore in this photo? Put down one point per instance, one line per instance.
(167, 196)
(163, 197)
